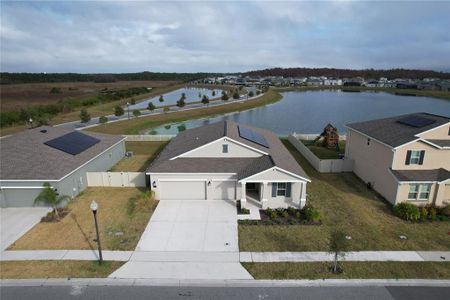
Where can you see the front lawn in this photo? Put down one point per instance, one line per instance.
(123, 214)
(143, 154)
(345, 203)
(367, 270)
(57, 269)
(323, 152)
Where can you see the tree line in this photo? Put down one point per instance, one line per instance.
(348, 73)
(11, 78)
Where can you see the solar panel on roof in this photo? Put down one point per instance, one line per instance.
(73, 143)
(416, 121)
(252, 136)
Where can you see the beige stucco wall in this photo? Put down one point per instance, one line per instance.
(372, 163)
(434, 158)
(215, 150)
(437, 133)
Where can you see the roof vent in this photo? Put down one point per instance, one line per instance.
(44, 130)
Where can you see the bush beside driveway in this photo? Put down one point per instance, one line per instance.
(345, 203)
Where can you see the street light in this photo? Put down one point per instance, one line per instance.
(128, 108)
(94, 207)
(31, 122)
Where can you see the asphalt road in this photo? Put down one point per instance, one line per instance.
(222, 293)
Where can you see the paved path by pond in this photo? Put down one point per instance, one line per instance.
(144, 113)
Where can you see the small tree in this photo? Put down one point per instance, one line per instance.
(224, 96)
(205, 100)
(136, 113)
(236, 94)
(161, 99)
(183, 96)
(181, 102)
(166, 109)
(103, 120)
(151, 106)
(118, 111)
(49, 196)
(338, 245)
(213, 93)
(199, 94)
(132, 101)
(84, 116)
(251, 94)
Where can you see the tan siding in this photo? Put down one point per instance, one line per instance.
(434, 158)
(372, 163)
(437, 133)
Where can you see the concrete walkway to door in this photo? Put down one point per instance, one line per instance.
(188, 239)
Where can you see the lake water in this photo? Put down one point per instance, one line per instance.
(310, 111)
(192, 95)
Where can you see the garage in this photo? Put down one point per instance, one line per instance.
(182, 190)
(224, 190)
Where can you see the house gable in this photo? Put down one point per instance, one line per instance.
(215, 149)
(275, 174)
(439, 133)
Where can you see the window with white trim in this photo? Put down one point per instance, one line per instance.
(419, 191)
(415, 157)
(281, 189)
(224, 148)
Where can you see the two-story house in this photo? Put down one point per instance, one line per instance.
(404, 158)
(228, 161)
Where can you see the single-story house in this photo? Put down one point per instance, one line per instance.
(55, 155)
(228, 161)
(403, 158)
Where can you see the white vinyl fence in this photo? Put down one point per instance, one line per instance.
(321, 165)
(116, 179)
(148, 138)
(313, 136)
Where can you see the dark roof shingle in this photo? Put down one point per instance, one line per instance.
(422, 175)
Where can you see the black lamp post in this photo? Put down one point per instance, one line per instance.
(31, 122)
(94, 207)
(128, 109)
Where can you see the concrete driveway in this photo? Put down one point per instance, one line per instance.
(16, 221)
(192, 225)
(188, 239)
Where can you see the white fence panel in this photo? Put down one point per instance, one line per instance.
(321, 165)
(116, 179)
(148, 138)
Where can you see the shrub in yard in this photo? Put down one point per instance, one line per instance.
(432, 212)
(84, 116)
(103, 120)
(311, 213)
(291, 211)
(423, 214)
(118, 111)
(407, 211)
(285, 214)
(298, 215)
(446, 211)
(271, 213)
(136, 113)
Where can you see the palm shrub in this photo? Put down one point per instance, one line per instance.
(103, 120)
(151, 106)
(84, 116)
(49, 196)
(161, 99)
(118, 111)
(407, 211)
(136, 113)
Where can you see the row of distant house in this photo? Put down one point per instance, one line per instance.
(401, 83)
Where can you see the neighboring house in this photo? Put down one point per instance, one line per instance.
(404, 158)
(55, 155)
(228, 161)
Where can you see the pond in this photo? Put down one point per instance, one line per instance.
(193, 94)
(310, 111)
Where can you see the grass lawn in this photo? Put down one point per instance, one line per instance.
(57, 269)
(143, 154)
(345, 203)
(122, 215)
(368, 270)
(136, 125)
(323, 152)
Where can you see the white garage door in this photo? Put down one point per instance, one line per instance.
(182, 190)
(224, 190)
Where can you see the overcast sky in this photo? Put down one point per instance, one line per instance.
(108, 36)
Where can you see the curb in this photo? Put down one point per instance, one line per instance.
(222, 283)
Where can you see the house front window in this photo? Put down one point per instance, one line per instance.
(415, 158)
(419, 191)
(281, 189)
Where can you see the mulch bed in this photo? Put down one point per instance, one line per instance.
(52, 218)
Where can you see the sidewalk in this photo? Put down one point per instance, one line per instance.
(192, 256)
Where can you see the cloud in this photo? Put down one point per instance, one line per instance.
(222, 36)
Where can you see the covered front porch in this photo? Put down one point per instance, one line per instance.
(280, 194)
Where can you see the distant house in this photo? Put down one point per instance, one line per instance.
(228, 161)
(404, 158)
(55, 155)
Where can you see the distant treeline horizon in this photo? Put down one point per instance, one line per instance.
(13, 78)
(349, 73)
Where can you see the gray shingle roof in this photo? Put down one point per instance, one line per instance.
(394, 134)
(190, 139)
(441, 143)
(422, 175)
(25, 156)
